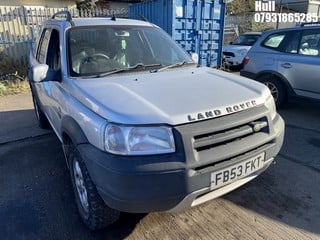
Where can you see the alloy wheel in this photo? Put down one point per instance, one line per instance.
(80, 186)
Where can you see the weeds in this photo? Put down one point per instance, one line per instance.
(12, 84)
(12, 80)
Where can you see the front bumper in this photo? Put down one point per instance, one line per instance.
(170, 182)
(234, 61)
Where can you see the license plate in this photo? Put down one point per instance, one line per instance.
(237, 171)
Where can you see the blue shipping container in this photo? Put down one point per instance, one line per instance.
(196, 25)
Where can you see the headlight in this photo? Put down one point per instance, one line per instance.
(134, 140)
(271, 106)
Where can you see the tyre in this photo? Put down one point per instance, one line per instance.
(276, 88)
(41, 117)
(92, 209)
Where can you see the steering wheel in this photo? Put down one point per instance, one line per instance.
(99, 55)
(94, 63)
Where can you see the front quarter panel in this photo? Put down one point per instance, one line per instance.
(89, 122)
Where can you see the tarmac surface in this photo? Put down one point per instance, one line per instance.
(36, 198)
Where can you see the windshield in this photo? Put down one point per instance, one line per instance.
(246, 40)
(97, 50)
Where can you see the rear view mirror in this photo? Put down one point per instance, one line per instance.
(42, 72)
(39, 72)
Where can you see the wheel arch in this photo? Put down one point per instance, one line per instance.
(285, 83)
(71, 134)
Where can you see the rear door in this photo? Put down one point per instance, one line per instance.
(49, 92)
(300, 62)
(40, 58)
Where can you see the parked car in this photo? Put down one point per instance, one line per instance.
(143, 127)
(235, 53)
(288, 61)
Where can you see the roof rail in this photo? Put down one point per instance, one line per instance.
(309, 24)
(124, 15)
(134, 15)
(141, 16)
(66, 13)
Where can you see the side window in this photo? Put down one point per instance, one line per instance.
(53, 56)
(49, 49)
(43, 46)
(310, 43)
(274, 41)
(293, 41)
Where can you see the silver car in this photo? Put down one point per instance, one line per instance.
(287, 61)
(235, 53)
(143, 127)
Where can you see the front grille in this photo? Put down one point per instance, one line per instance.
(228, 136)
(221, 139)
(229, 54)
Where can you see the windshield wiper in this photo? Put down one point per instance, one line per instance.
(142, 66)
(119, 70)
(116, 70)
(178, 64)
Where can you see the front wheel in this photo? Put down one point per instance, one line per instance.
(276, 88)
(92, 209)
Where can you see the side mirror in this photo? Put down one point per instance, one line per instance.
(42, 72)
(195, 57)
(39, 72)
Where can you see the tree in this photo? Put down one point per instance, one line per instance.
(85, 4)
(240, 6)
(243, 11)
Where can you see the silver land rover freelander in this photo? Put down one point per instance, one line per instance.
(142, 126)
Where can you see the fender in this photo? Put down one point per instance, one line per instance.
(71, 130)
(279, 76)
(70, 127)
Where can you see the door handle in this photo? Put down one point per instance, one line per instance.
(286, 65)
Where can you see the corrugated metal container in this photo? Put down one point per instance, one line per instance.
(196, 25)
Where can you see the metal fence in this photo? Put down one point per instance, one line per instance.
(19, 26)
